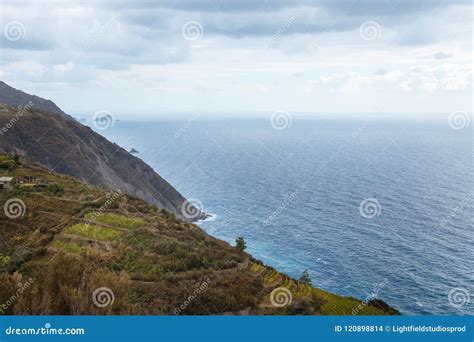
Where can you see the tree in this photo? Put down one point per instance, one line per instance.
(305, 279)
(240, 244)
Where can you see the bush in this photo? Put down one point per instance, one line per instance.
(240, 244)
(58, 291)
(55, 189)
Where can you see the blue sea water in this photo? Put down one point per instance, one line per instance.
(295, 195)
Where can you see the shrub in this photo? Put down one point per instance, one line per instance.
(240, 244)
(55, 189)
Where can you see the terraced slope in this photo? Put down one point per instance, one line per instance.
(76, 249)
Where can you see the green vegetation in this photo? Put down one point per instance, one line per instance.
(4, 259)
(67, 247)
(93, 232)
(337, 305)
(115, 220)
(151, 260)
(240, 244)
(271, 277)
(6, 163)
(256, 268)
(55, 189)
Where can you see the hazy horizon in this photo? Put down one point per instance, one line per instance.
(241, 57)
(191, 116)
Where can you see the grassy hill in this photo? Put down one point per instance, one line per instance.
(67, 247)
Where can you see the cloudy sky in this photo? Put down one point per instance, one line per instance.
(248, 57)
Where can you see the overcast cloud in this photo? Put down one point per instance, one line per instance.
(158, 58)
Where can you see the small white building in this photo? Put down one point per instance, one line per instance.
(6, 183)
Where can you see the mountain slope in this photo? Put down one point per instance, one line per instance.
(15, 97)
(63, 145)
(75, 249)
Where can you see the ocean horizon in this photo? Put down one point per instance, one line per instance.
(372, 207)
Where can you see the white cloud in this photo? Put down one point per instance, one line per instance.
(63, 68)
(449, 77)
(26, 68)
(248, 57)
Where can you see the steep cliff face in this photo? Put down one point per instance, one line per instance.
(63, 145)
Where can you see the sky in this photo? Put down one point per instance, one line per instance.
(155, 59)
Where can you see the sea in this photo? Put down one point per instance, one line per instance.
(372, 206)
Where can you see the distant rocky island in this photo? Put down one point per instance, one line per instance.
(49, 136)
(82, 235)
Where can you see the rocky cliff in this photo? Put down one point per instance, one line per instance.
(39, 131)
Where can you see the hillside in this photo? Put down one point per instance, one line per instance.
(76, 249)
(15, 97)
(57, 141)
